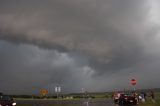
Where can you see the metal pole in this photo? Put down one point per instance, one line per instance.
(57, 95)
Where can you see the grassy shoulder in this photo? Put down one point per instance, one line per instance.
(45, 99)
(150, 103)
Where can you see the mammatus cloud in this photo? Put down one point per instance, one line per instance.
(86, 41)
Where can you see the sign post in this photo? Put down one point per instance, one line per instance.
(57, 90)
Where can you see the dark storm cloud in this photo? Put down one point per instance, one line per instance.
(26, 68)
(108, 36)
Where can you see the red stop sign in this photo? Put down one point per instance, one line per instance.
(133, 82)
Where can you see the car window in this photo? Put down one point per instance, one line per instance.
(4, 97)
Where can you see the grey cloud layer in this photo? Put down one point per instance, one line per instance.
(31, 69)
(110, 35)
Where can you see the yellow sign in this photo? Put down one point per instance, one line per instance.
(44, 92)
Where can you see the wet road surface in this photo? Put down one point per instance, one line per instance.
(104, 102)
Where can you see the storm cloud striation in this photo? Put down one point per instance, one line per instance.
(96, 45)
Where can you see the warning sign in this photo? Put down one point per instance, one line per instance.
(44, 92)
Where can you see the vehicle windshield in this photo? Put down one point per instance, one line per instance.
(4, 97)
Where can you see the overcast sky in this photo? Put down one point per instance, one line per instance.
(98, 45)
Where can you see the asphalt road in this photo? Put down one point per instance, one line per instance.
(104, 102)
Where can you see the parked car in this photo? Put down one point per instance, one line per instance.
(126, 98)
(129, 99)
(7, 101)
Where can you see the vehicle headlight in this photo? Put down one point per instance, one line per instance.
(0, 105)
(14, 104)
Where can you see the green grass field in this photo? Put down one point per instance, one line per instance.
(150, 103)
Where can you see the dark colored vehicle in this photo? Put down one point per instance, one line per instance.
(6, 101)
(124, 98)
(128, 99)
